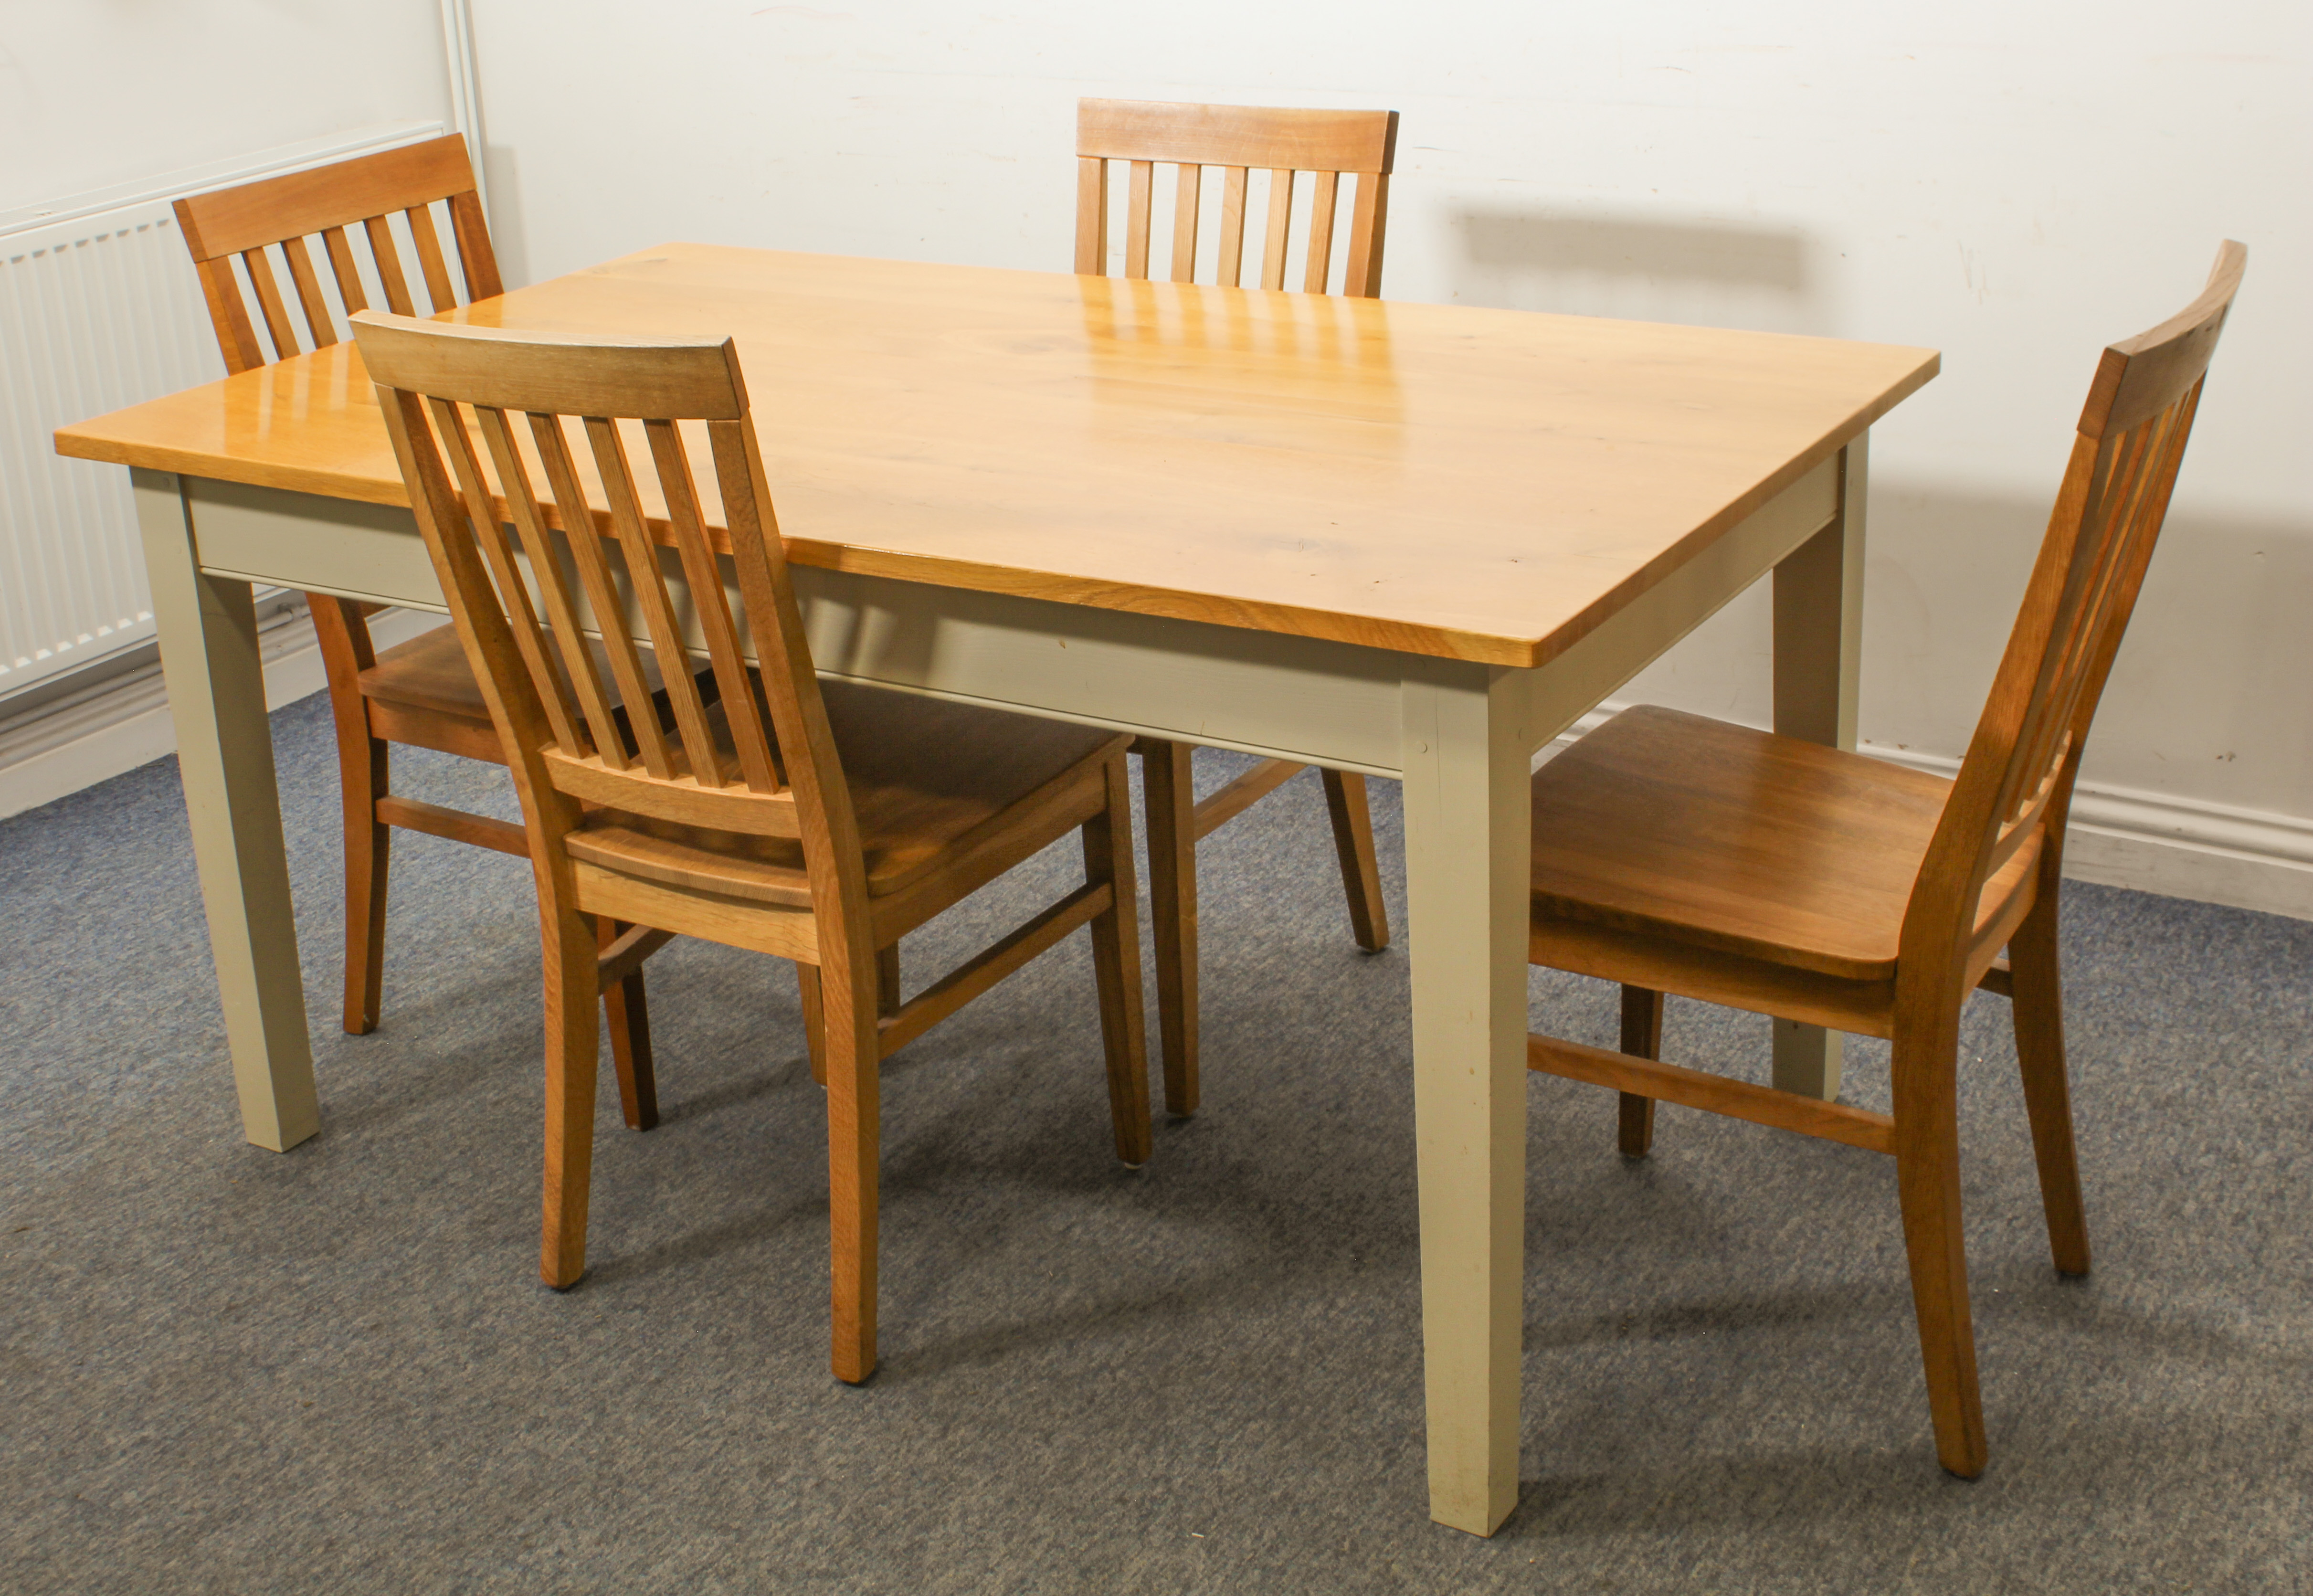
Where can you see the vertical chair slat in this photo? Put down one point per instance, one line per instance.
(752, 527)
(2134, 465)
(648, 579)
(798, 717)
(2079, 541)
(2137, 516)
(2037, 724)
(1368, 219)
(586, 545)
(1186, 200)
(1233, 227)
(1141, 201)
(319, 322)
(513, 593)
(2140, 557)
(346, 269)
(268, 301)
(386, 256)
(710, 600)
(561, 614)
(1092, 217)
(229, 315)
(478, 263)
(1279, 234)
(2128, 464)
(1327, 187)
(429, 256)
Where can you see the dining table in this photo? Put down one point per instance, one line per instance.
(1413, 541)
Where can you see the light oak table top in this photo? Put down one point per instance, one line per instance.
(1472, 484)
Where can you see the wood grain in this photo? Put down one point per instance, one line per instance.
(1474, 484)
(1650, 1079)
(1764, 846)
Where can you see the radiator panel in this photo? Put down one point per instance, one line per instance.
(95, 315)
(99, 312)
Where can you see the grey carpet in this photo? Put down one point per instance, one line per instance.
(232, 1371)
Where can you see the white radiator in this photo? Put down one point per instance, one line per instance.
(100, 308)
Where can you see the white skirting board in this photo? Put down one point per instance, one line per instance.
(2177, 847)
(48, 755)
(2147, 842)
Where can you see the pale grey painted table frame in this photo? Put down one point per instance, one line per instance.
(1460, 736)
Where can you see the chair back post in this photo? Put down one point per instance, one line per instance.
(1239, 139)
(507, 545)
(2017, 779)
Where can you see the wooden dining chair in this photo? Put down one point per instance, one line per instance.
(1676, 854)
(1324, 146)
(817, 822)
(243, 241)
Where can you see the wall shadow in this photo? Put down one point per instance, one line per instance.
(1721, 273)
(1538, 242)
(509, 236)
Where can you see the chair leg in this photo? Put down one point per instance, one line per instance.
(1116, 968)
(630, 1048)
(1642, 1017)
(1168, 779)
(814, 1019)
(888, 981)
(854, 1115)
(362, 782)
(1927, 1179)
(2039, 1003)
(1345, 800)
(342, 635)
(571, 1057)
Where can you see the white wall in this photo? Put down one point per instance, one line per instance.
(2014, 185)
(103, 100)
(98, 95)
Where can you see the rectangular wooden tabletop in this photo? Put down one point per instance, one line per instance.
(1473, 484)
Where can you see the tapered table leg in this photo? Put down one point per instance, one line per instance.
(1466, 844)
(1818, 652)
(224, 751)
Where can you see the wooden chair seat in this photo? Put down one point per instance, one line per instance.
(428, 673)
(932, 783)
(1769, 848)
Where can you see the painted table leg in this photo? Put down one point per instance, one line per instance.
(1467, 846)
(225, 750)
(1818, 650)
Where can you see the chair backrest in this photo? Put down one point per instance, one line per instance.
(2021, 765)
(507, 523)
(351, 205)
(1238, 139)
